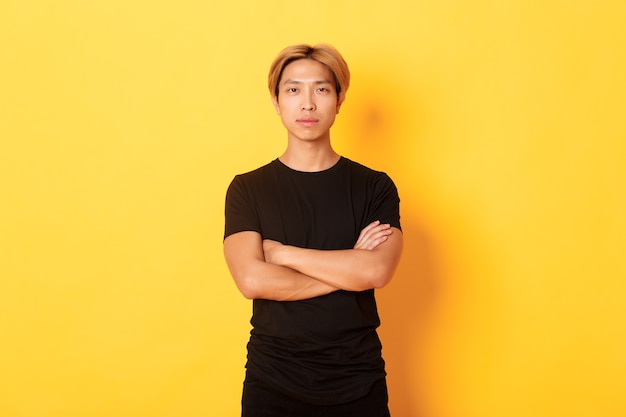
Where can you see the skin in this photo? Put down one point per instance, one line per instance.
(307, 104)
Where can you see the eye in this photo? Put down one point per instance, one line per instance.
(323, 90)
(292, 90)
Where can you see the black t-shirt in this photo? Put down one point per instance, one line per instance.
(323, 350)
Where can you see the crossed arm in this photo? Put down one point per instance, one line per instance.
(271, 270)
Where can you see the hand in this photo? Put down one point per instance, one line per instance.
(373, 235)
(271, 249)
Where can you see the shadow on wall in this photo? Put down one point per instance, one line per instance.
(406, 307)
(385, 121)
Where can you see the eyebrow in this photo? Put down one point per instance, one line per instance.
(316, 82)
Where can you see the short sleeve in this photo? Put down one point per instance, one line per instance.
(386, 202)
(239, 211)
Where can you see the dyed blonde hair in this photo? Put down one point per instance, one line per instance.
(322, 53)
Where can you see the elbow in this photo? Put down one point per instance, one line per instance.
(247, 293)
(379, 277)
(381, 281)
(382, 269)
(247, 287)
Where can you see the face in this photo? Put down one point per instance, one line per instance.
(307, 100)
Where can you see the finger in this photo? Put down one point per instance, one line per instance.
(372, 231)
(377, 238)
(367, 228)
(374, 237)
(364, 232)
(373, 243)
(376, 231)
(370, 226)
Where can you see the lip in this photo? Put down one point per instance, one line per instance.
(306, 121)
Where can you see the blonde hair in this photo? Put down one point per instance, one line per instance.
(322, 53)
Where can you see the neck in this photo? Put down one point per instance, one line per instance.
(309, 157)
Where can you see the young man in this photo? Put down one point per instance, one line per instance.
(308, 238)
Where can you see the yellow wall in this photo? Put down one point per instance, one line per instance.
(122, 123)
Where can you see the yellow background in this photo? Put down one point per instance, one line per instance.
(502, 123)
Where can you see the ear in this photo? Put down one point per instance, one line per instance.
(275, 103)
(340, 98)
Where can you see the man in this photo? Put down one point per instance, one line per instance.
(308, 238)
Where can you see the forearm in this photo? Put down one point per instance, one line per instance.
(351, 269)
(274, 282)
(347, 269)
(256, 278)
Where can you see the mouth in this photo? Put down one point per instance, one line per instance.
(307, 121)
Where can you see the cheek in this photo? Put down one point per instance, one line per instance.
(276, 106)
(283, 106)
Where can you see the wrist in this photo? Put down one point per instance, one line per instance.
(282, 255)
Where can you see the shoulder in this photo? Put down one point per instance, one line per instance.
(367, 173)
(258, 172)
(253, 177)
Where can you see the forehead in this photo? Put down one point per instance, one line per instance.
(306, 70)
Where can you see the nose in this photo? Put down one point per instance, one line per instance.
(308, 103)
